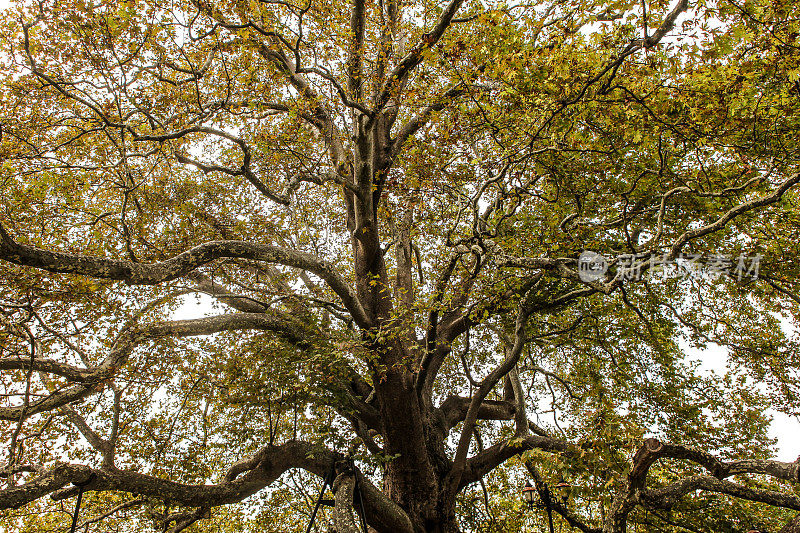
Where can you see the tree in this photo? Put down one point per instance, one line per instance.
(388, 201)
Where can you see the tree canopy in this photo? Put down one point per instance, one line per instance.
(382, 208)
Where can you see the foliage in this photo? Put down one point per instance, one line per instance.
(244, 241)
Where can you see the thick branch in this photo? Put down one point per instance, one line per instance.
(343, 509)
(122, 347)
(667, 497)
(484, 462)
(180, 265)
(271, 464)
(454, 409)
(243, 479)
(633, 490)
(354, 59)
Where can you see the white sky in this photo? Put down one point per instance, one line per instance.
(784, 428)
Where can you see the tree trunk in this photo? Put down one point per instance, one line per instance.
(410, 479)
(414, 444)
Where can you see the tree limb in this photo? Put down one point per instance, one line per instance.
(180, 265)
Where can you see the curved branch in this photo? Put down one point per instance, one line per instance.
(343, 489)
(508, 364)
(420, 120)
(667, 497)
(416, 55)
(243, 479)
(180, 265)
(734, 212)
(721, 469)
(272, 462)
(49, 366)
(633, 490)
(94, 379)
(484, 462)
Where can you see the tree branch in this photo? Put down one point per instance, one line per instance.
(400, 73)
(94, 379)
(734, 212)
(484, 462)
(180, 265)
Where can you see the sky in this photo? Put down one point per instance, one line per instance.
(785, 429)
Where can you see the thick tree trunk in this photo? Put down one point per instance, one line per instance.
(415, 475)
(417, 466)
(411, 480)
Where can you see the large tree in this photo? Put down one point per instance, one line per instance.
(385, 202)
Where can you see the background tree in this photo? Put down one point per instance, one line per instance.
(386, 202)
